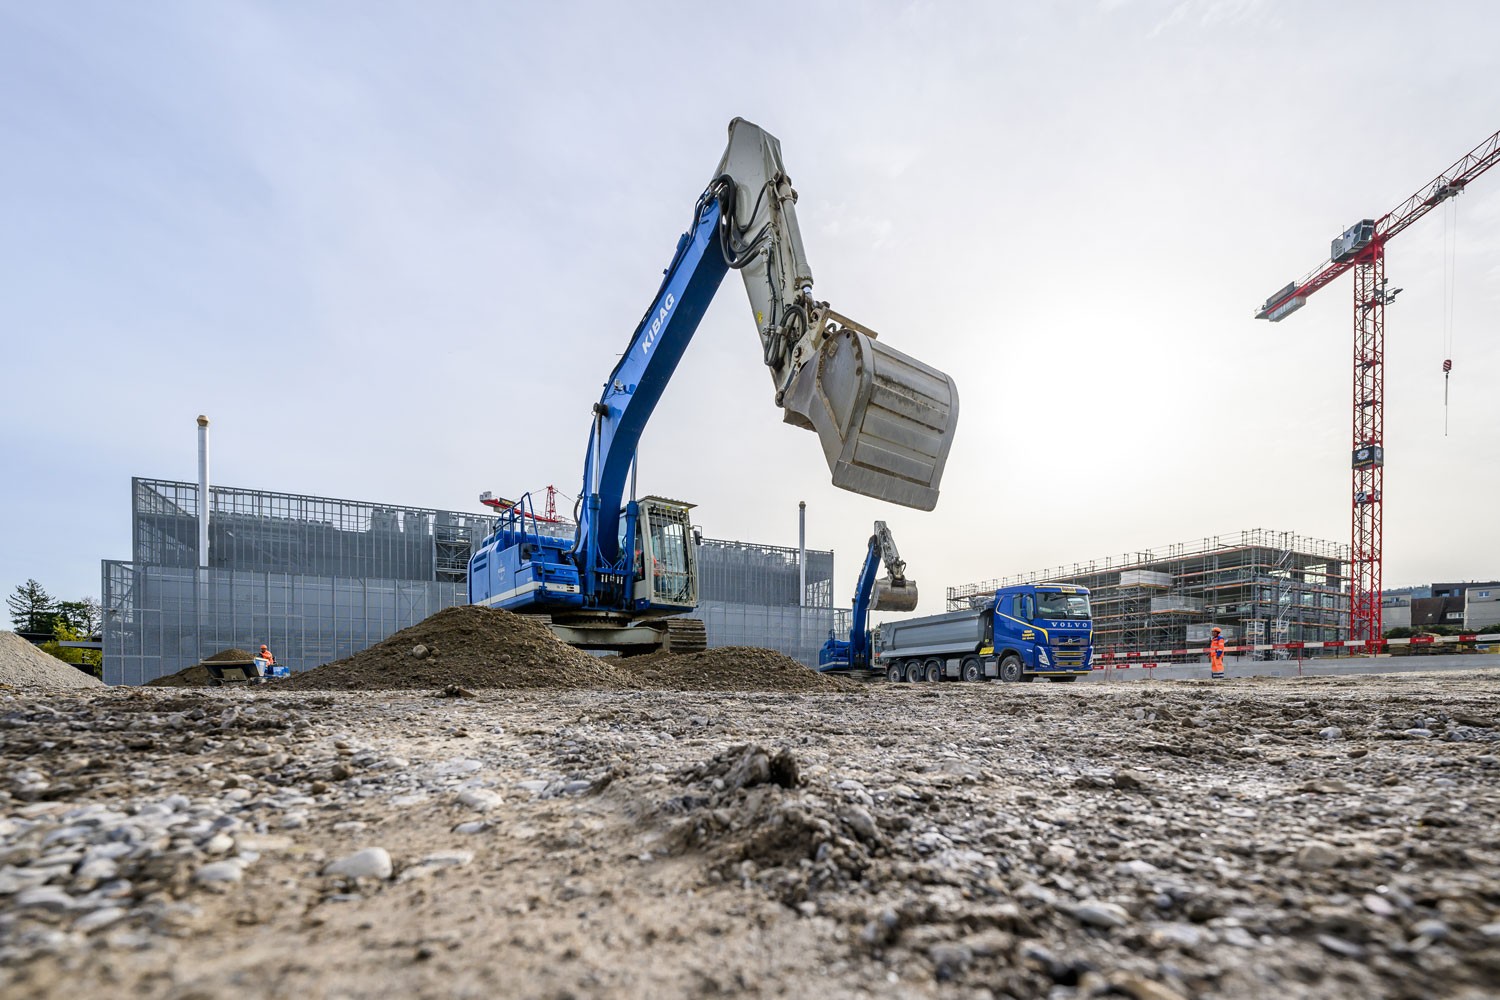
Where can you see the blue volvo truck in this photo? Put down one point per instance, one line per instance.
(1021, 633)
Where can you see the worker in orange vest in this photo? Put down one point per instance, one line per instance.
(265, 654)
(1216, 654)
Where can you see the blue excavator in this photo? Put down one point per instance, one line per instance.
(884, 419)
(892, 592)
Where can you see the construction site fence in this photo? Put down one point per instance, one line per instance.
(1149, 659)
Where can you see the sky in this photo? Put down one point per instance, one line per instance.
(393, 250)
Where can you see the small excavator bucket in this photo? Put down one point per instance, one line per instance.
(884, 418)
(888, 596)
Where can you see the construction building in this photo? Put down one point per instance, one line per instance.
(1258, 586)
(319, 579)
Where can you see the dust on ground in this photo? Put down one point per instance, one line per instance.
(1297, 838)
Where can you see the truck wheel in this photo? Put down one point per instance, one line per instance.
(893, 673)
(932, 671)
(913, 671)
(971, 670)
(1010, 669)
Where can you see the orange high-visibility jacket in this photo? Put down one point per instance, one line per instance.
(1216, 647)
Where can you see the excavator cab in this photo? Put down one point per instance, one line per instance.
(667, 555)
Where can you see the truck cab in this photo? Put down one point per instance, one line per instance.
(1047, 627)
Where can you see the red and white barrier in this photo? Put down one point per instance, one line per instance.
(1123, 661)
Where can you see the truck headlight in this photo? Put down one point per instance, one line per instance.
(1041, 656)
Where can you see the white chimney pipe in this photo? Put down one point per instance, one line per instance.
(202, 491)
(802, 551)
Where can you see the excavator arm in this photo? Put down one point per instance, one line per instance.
(893, 592)
(884, 419)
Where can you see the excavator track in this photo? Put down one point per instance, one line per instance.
(684, 635)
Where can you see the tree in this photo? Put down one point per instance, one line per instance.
(80, 616)
(90, 661)
(32, 609)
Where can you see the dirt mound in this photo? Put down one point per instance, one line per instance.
(744, 806)
(22, 665)
(188, 677)
(197, 675)
(468, 646)
(728, 668)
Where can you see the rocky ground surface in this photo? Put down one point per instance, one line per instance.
(1288, 838)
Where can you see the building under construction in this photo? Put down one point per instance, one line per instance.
(1258, 586)
(319, 579)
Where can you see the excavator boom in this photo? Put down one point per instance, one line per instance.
(892, 592)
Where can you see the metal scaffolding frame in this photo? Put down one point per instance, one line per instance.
(1274, 584)
(263, 531)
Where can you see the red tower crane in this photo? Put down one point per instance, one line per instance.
(1361, 248)
(549, 512)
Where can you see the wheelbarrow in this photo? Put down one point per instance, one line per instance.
(253, 671)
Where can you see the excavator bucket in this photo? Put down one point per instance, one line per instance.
(888, 596)
(884, 418)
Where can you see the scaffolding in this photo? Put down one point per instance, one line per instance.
(1277, 585)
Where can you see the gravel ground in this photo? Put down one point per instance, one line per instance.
(1289, 838)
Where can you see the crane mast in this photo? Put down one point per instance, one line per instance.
(1361, 248)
